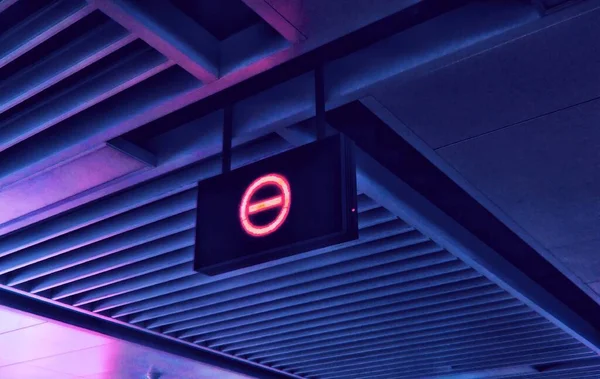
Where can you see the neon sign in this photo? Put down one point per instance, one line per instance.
(245, 217)
(283, 201)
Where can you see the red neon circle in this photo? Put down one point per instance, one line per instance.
(284, 201)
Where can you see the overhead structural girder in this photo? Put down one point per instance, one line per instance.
(396, 176)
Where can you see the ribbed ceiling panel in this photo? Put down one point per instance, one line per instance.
(393, 304)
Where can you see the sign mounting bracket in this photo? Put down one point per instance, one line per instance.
(227, 137)
(320, 102)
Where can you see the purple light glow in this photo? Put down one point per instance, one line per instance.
(64, 181)
(35, 348)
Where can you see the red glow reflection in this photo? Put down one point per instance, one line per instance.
(284, 201)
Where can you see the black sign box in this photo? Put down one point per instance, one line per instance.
(287, 204)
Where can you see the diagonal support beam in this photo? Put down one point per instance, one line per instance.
(5, 4)
(276, 20)
(77, 55)
(402, 200)
(171, 32)
(39, 27)
(405, 183)
(80, 318)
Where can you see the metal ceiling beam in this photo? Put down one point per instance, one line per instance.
(150, 298)
(39, 27)
(397, 196)
(83, 319)
(304, 283)
(59, 261)
(122, 287)
(327, 307)
(516, 325)
(270, 278)
(72, 281)
(53, 260)
(444, 326)
(119, 118)
(133, 269)
(365, 312)
(170, 31)
(82, 95)
(5, 4)
(126, 221)
(267, 12)
(79, 54)
(116, 120)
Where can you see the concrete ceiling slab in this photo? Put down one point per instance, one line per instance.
(583, 259)
(325, 20)
(530, 76)
(543, 173)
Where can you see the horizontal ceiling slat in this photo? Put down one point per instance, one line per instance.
(533, 338)
(407, 369)
(468, 331)
(266, 308)
(391, 233)
(124, 222)
(171, 273)
(392, 304)
(79, 54)
(375, 216)
(39, 27)
(402, 371)
(536, 358)
(385, 322)
(57, 260)
(365, 203)
(228, 324)
(385, 358)
(375, 314)
(482, 332)
(325, 329)
(112, 79)
(151, 191)
(68, 280)
(334, 287)
(394, 299)
(142, 267)
(575, 371)
(432, 330)
(329, 276)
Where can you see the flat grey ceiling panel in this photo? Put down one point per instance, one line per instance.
(583, 258)
(525, 78)
(543, 174)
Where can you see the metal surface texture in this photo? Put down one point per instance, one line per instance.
(113, 110)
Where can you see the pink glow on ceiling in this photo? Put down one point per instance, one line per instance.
(64, 181)
(32, 347)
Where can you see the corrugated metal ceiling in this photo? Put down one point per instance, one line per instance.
(393, 304)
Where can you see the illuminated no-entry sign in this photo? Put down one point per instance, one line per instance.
(296, 201)
(248, 207)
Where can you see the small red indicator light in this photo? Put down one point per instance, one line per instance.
(283, 201)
